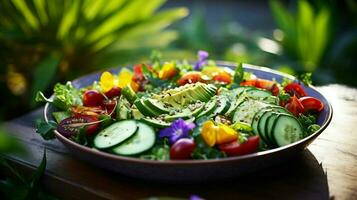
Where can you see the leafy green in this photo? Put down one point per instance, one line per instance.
(238, 76)
(152, 77)
(160, 152)
(308, 121)
(204, 152)
(61, 115)
(45, 129)
(81, 137)
(66, 95)
(306, 78)
(18, 188)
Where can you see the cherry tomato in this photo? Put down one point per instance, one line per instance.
(114, 92)
(263, 84)
(294, 106)
(92, 98)
(138, 73)
(311, 104)
(295, 89)
(70, 126)
(191, 77)
(182, 149)
(236, 149)
(223, 77)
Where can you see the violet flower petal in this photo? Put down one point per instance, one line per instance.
(178, 129)
(202, 59)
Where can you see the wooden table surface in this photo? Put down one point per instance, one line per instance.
(326, 170)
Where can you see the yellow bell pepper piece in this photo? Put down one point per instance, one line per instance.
(168, 71)
(208, 133)
(124, 77)
(225, 134)
(107, 81)
(220, 134)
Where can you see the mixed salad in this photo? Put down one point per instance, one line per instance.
(175, 110)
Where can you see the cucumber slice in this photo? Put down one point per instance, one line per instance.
(256, 119)
(234, 105)
(144, 109)
(123, 109)
(287, 129)
(157, 106)
(115, 134)
(222, 105)
(258, 93)
(208, 108)
(129, 94)
(141, 141)
(269, 129)
(246, 111)
(157, 123)
(261, 126)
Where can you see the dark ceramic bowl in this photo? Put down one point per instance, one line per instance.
(195, 170)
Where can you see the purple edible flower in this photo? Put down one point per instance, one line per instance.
(178, 129)
(202, 59)
(195, 197)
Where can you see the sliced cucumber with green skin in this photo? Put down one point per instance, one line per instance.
(136, 113)
(246, 111)
(155, 122)
(256, 119)
(129, 94)
(123, 109)
(269, 129)
(258, 93)
(222, 105)
(115, 134)
(183, 115)
(156, 106)
(234, 105)
(209, 108)
(271, 100)
(287, 129)
(141, 141)
(144, 109)
(261, 126)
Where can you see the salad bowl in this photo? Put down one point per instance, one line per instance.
(196, 170)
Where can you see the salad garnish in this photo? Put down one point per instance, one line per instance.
(175, 110)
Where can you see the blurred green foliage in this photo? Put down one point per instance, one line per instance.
(42, 42)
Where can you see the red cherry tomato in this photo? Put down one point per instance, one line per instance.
(182, 149)
(311, 104)
(92, 98)
(295, 89)
(190, 77)
(138, 73)
(236, 149)
(70, 126)
(223, 78)
(114, 92)
(263, 84)
(294, 106)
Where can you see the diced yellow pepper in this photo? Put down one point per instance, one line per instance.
(107, 81)
(220, 134)
(168, 71)
(124, 77)
(208, 133)
(225, 134)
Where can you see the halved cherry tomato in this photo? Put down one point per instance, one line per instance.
(92, 98)
(138, 73)
(190, 77)
(182, 149)
(311, 104)
(114, 92)
(263, 84)
(110, 105)
(70, 126)
(223, 77)
(295, 89)
(294, 106)
(236, 149)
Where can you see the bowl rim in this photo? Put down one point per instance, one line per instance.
(198, 162)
